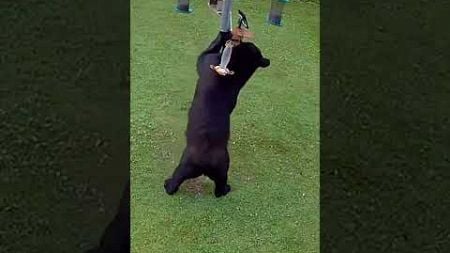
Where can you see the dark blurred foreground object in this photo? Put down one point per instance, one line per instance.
(116, 237)
(276, 11)
(183, 6)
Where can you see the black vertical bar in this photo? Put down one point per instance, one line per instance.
(385, 137)
(64, 122)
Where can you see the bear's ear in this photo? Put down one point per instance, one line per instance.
(264, 62)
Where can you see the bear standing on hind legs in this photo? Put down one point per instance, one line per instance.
(208, 128)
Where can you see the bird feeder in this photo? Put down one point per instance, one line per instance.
(219, 6)
(216, 5)
(276, 11)
(183, 6)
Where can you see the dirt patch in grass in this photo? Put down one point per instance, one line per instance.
(195, 186)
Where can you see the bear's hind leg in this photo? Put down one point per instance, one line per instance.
(222, 187)
(218, 172)
(182, 173)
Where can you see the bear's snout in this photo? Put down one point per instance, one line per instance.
(264, 63)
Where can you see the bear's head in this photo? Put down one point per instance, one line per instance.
(245, 59)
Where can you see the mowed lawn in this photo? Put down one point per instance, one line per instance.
(274, 174)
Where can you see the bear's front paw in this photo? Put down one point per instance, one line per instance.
(222, 192)
(168, 186)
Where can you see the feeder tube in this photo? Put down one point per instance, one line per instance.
(225, 21)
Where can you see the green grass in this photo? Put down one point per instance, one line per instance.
(274, 174)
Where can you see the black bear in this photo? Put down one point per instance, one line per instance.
(208, 128)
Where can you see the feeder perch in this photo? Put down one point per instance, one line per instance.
(183, 6)
(276, 11)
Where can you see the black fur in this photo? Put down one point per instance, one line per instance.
(208, 128)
